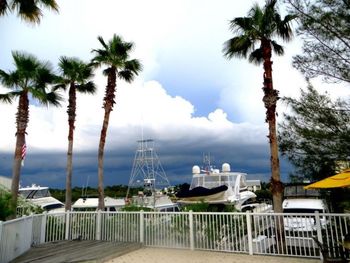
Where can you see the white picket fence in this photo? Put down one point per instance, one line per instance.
(250, 233)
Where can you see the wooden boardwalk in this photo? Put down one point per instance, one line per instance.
(76, 251)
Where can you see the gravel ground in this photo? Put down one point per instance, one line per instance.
(159, 255)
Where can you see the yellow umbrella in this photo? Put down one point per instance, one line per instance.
(339, 180)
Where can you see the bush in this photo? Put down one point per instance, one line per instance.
(5, 208)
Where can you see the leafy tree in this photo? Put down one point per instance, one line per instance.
(75, 74)
(28, 10)
(325, 28)
(31, 77)
(115, 55)
(260, 27)
(5, 207)
(315, 135)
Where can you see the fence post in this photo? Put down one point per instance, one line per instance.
(67, 225)
(98, 225)
(1, 225)
(249, 234)
(319, 230)
(141, 227)
(190, 215)
(43, 228)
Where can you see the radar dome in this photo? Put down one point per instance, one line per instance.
(226, 167)
(196, 169)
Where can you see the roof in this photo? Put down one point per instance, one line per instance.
(33, 187)
(92, 202)
(304, 203)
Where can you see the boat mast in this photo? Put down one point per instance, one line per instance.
(147, 171)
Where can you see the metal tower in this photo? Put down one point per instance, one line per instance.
(147, 171)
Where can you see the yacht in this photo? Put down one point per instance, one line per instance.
(216, 187)
(91, 204)
(157, 201)
(40, 196)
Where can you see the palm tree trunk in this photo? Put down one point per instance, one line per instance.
(22, 119)
(270, 100)
(71, 120)
(108, 106)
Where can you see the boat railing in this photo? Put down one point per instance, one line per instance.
(243, 232)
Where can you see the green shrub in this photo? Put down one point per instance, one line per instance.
(5, 208)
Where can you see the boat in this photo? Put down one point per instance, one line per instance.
(40, 196)
(148, 174)
(91, 204)
(157, 201)
(216, 187)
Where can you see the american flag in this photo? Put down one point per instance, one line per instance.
(24, 151)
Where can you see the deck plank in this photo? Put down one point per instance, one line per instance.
(76, 251)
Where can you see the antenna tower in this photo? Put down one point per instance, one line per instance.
(147, 171)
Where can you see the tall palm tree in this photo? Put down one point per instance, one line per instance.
(115, 55)
(28, 10)
(30, 79)
(75, 74)
(258, 28)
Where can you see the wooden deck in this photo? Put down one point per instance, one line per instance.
(76, 251)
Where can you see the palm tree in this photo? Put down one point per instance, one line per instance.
(259, 27)
(29, 79)
(115, 55)
(28, 10)
(75, 74)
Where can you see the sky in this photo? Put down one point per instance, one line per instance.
(189, 98)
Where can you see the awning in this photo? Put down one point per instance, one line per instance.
(336, 181)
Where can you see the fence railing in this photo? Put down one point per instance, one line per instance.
(250, 233)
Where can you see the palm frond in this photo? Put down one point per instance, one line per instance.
(31, 11)
(133, 65)
(8, 80)
(6, 98)
(106, 71)
(284, 29)
(47, 99)
(256, 56)
(43, 77)
(278, 49)
(126, 75)
(102, 42)
(88, 87)
(53, 98)
(61, 86)
(50, 4)
(3, 7)
(115, 55)
(238, 46)
(260, 24)
(27, 10)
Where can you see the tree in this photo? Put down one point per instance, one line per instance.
(325, 28)
(30, 78)
(28, 10)
(315, 135)
(75, 74)
(259, 27)
(114, 55)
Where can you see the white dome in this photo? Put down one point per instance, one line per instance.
(226, 167)
(196, 169)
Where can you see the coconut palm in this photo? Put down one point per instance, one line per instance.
(115, 55)
(258, 28)
(30, 79)
(28, 10)
(75, 74)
